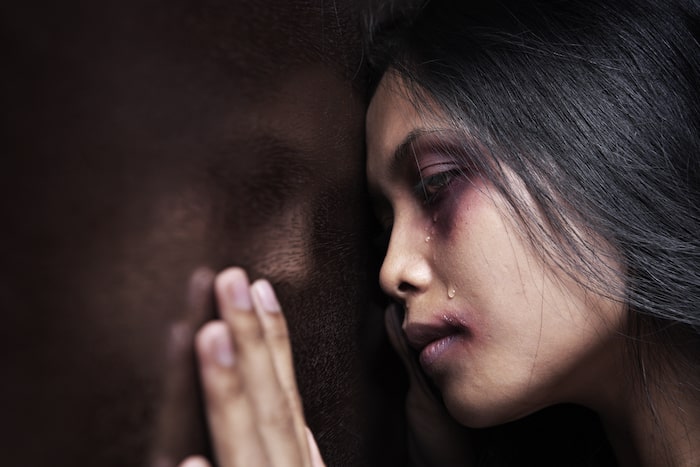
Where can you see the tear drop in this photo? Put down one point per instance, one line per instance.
(451, 293)
(435, 217)
(427, 239)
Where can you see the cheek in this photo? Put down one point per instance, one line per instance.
(482, 256)
(451, 216)
(472, 239)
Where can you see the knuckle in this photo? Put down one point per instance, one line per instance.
(275, 322)
(248, 330)
(277, 414)
(276, 334)
(228, 393)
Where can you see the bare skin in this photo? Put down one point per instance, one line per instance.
(152, 141)
(511, 363)
(500, 332)
(253, 406)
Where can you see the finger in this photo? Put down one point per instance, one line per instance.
(315, 454)
(277, 339)
(180, 420)
(232, 419)
(274, 417)
(195, 461)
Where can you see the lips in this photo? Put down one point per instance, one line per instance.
(432, 340)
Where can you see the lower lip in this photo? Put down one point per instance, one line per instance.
(436, 350)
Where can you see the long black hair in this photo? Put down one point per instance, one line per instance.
(595, 105)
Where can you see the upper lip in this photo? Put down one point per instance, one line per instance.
(420, 335)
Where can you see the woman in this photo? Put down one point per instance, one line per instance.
(537, 167)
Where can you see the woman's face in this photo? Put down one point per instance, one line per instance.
(500, 333)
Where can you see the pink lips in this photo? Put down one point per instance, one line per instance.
(434, 350)
(432, 340)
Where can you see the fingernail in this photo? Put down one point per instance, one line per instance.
(222, 348)
(194, 461)
(198, 287)
(180, 337)
(266, 296)
(238, 289)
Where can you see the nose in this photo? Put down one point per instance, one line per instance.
(406, 268)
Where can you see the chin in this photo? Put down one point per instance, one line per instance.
(477, 412)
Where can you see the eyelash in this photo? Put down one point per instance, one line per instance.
(430, 188)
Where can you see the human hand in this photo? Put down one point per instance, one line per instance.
(179, 419)
(253, 406)
(435, 438)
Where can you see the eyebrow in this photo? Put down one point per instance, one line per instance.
(406, 149)
(417, 140)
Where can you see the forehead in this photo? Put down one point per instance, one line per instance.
(390, 117)
(395, 115)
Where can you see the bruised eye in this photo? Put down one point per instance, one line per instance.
(431, 187)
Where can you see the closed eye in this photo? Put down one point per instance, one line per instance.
(430, 188)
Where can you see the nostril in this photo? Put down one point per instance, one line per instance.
(405, 287)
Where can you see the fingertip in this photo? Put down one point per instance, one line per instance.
(179, 340)
(199, 287)
(265, 297)
(195, 461)
(202, 277)
(233, 289)
(214, 345)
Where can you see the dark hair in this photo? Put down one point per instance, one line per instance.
(595, 105)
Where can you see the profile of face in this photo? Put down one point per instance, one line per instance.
(498, 329)
(148, 140)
